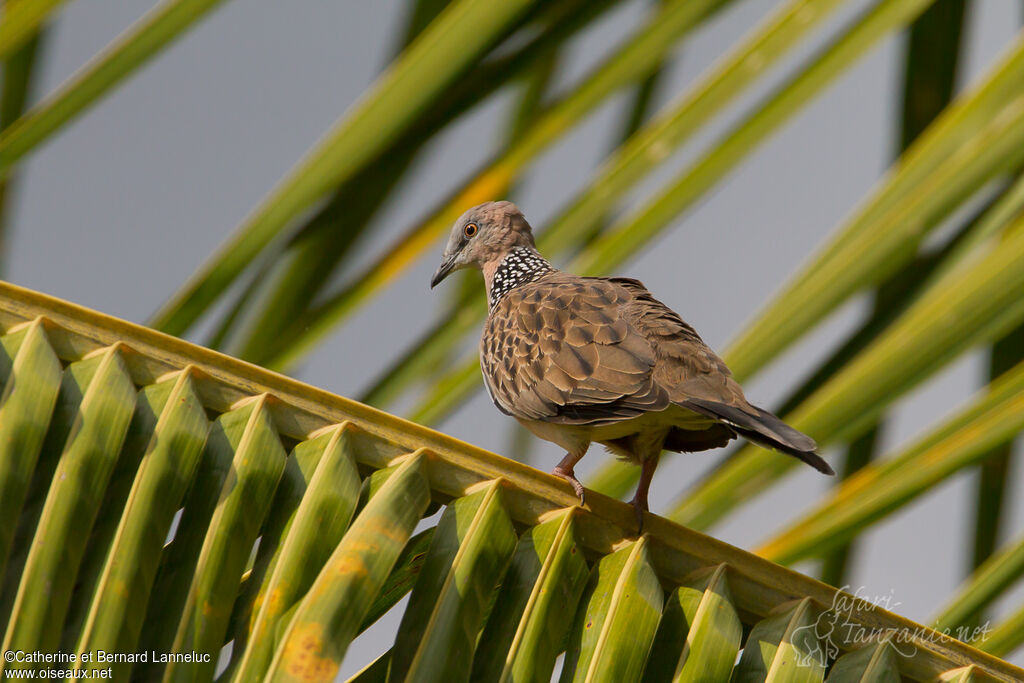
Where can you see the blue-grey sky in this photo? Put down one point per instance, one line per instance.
(120, 208)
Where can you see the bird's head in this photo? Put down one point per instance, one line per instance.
(483, 235)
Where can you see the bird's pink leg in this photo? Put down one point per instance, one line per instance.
(640, 497)
(565, 470)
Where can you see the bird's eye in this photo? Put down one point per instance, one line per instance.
(470, 229)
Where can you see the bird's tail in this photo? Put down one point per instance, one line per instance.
(763, 429)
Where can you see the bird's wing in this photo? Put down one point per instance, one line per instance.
(563, 349)
(687, 368)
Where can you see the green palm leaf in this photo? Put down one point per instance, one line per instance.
(976, 303)
(783, 647)
(992, 419)
(33, 376)
(1006, 637)
(318, 524)
(474, 555)
(248, 434)
(617, 618)
(154, 32)
(118, 606)
(870, 664)
(465, 564)
(628, 165)
(699, 633)
(162, 498)
(627, 236)
(329, 616)
(105, 398)
(535, 606)
(640, 55)
(997, 574)
(883, 234)
(19, 21)
(460, 34)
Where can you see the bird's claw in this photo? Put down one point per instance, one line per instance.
(570, 476)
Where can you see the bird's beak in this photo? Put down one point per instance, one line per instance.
(442, 271)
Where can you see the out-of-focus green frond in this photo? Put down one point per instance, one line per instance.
(1006, 637)
(166, 22)
(20, 21)
(976, 153)
(285, 284)
(932, 58)
(628, 165)
(630, 234)
(994, 473)
(640, 54)
(462, 32)
(992, 419)
(987, 583)
(967, 306)
(18, 75)
(959, 153)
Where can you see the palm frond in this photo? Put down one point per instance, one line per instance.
(636, 58)
(144, 391)
(969, 305)
(20, 21)
(462, 32)
(166, 22)
(993, 418)
(637, 157)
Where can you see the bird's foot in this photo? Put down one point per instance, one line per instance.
(639, 508)
(570, 476)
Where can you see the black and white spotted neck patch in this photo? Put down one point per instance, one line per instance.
(520, 266)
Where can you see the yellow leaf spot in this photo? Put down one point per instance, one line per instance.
(304, 656)
(350, 563)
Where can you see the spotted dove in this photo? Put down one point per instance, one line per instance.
(582, 359)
